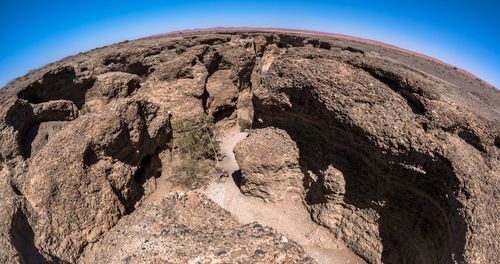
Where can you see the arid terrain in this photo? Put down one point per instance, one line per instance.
(249, 146)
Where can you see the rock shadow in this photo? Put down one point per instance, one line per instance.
(237, 178)
(60, 84)
(22, 237)
(419, 220)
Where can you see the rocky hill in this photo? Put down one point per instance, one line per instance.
(106, 156)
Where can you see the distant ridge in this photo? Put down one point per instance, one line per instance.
(327, 34)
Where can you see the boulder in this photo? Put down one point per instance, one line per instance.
(269, 162)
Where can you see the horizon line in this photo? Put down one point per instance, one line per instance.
(282, 30)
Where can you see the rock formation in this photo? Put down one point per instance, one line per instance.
(397, 155)
(269, 162)
(187, 228)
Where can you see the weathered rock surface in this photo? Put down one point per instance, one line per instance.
(109, 86)
(269, 163)
(102, 164)
(398, 155)
(189, 228)
(417, 168)
(223, 94)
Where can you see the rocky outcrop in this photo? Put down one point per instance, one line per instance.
(222, 92)
(98, 179)
(397, 155)
(385, 172)
(187, 228)
(110, 85)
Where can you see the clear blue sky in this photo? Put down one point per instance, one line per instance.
(463, 33)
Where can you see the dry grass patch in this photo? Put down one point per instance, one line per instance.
(197, 148)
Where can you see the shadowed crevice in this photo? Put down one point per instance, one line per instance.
(60, 84)
(417, 107)
(238, 178)
(223, 113)
(22, 237)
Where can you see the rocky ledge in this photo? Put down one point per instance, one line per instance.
(397, 155)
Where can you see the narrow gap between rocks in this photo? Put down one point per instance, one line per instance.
(22, 236)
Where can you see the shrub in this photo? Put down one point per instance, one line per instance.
(197, 144)
(197, 138)
(244, 123)
(191, 173)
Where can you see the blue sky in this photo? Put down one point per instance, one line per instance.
(463, 33)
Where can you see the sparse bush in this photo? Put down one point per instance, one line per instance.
(197, 143)
(191, 173)
(197, 138)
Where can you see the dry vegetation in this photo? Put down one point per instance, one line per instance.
(197, 147)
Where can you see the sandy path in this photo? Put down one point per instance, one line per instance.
(289, 217)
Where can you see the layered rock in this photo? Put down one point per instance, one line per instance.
(402, 188)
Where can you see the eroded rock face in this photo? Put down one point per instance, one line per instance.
(408, 176)
(396, 154)
(223, 94)
(110, 85)
(269, 163)
(101, 163)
